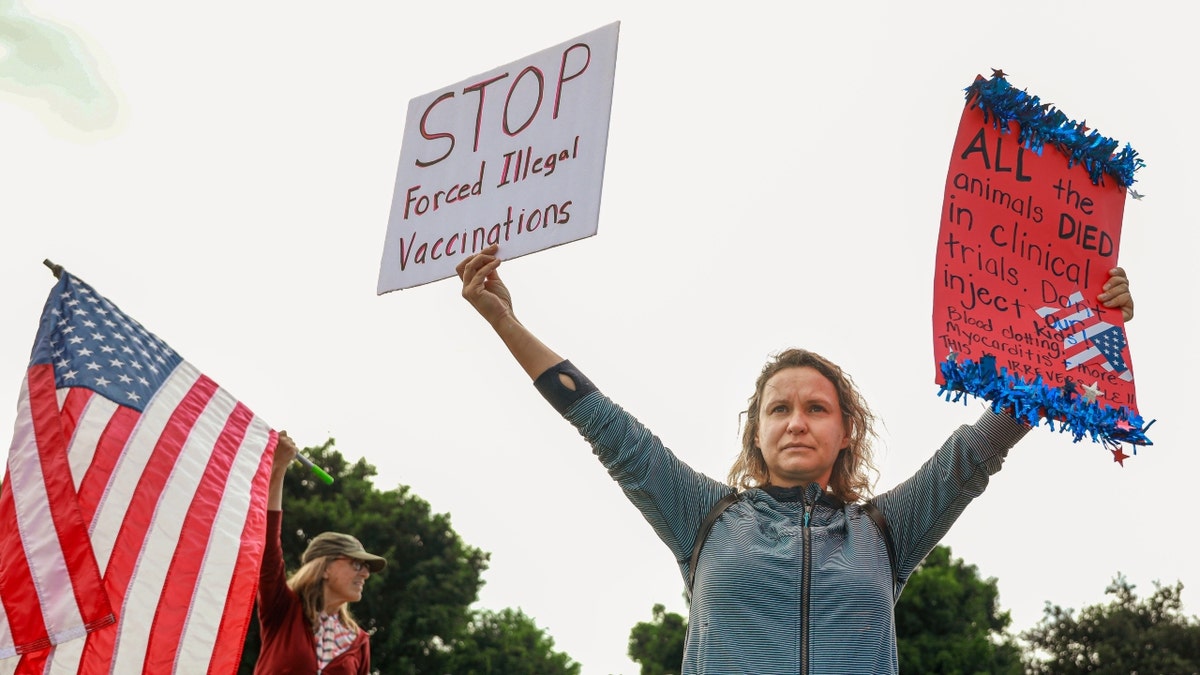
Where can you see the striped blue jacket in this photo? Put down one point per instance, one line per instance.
(789, 581)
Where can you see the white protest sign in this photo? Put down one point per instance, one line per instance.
(514, 156)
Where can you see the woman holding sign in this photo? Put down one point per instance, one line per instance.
(791, 577)
(305, 623)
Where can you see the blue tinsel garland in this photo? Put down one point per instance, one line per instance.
(1031, 402)
(1042, 124)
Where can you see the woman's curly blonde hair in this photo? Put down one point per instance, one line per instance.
(854, 470)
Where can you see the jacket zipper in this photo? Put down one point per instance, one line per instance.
(805, 579)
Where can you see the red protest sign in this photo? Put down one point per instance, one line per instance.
(1030, 227)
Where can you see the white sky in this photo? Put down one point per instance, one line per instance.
(774, 179)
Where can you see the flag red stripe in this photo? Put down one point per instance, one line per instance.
(231, 636)
(33, 663)
(72, 409)
(191, 550)
(137, 518)
(108, 452)
(21, 604)
(60, 490)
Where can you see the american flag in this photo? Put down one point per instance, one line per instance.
(1088, 337)
(133, 509)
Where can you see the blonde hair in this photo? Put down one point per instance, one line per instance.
(854, 469)
(308, 583)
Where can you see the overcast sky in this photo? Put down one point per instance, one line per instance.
(774, 178)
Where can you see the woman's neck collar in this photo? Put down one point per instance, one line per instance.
(813, 492)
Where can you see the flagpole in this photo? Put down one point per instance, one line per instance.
(326, 478)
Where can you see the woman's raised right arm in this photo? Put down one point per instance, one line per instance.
(489, 296)
(285, 454)
(673, 497)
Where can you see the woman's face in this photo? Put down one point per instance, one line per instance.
(800, 427)
(344, 579)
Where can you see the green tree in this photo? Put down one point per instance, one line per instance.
(505, 642)
(1124, 636)
(948, 621)
(658, 644)
(420, 602)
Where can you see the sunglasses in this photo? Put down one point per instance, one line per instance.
(356, 564)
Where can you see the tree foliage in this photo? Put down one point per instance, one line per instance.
(505, 642)
(419, 605)
(658, 644)
(1124, 636)
(948, 621)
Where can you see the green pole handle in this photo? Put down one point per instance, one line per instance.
(326, 478)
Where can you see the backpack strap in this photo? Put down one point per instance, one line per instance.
(702, 534)
(876, 516)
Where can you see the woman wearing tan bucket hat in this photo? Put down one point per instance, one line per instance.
(305, 623)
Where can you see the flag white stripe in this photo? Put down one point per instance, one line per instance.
(1084, 357)
(1081, 358)
(6, 638)
(89, 429)
(38, 535)
(64, 660)
(110, 513)
(1047, 310)
(162, 539)
(212, 586)
(1072, 320)
(1086, 333)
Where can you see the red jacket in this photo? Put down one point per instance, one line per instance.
(287, 636)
